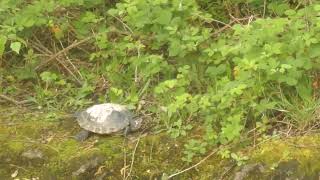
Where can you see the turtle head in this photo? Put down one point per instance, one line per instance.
(135, 124)
(76, 114)
(80, 114)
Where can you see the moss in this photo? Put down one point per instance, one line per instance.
(4, 133)
(64, 151)
(111, 147)
(35, 129)
(155, 154)
(303, 149)
(67, 149)
(15, 146)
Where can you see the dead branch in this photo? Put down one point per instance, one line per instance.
(56, 55)
(191, 167)
(132, 158)
(230, 24)
(13, 100)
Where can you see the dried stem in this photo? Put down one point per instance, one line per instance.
(195, 165)
(132, 158)
(54, 57)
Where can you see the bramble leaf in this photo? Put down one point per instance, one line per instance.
(15, 46)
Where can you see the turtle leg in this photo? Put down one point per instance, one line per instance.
(82, 135)
(126, 131)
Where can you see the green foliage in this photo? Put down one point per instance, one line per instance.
(192, 148)
(178, 129)
(237, 157)
(15, 46)
(48, 77)
(163, 53)
(301, 114)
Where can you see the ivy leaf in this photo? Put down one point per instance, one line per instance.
(16, 46)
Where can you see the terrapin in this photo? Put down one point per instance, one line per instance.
(106, 118)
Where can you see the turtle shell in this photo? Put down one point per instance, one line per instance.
(105, 118)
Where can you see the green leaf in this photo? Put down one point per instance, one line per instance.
(317, 7)
(290, 12)
(175, 48)
(304, 89)
(265, 105)
(16, 46)
(213, 71)
(164, 17)
(314, 50)
(171, 83)
(48, 76)
(278, 7)
(25, 73)
(113, 12)
(89, 17)
(3, 40)
(289, 80)
(231, 131)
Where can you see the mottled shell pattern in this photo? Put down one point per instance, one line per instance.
(105, 118)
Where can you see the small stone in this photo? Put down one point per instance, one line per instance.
(248, 169)
(90, 164)
(32, 154)
(15, 173)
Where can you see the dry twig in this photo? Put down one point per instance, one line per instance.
(123, 170)
(13, 100)
(124, 24)
(41, 48)
(9, 99)
(195, 165)
(54, 57)
(132, 158)
(73, 66)
(230, 24)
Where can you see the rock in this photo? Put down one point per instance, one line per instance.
(288, 170)
(15, 173)
(102, 176)
(90, 164)
(32, 154)
(247, 170)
